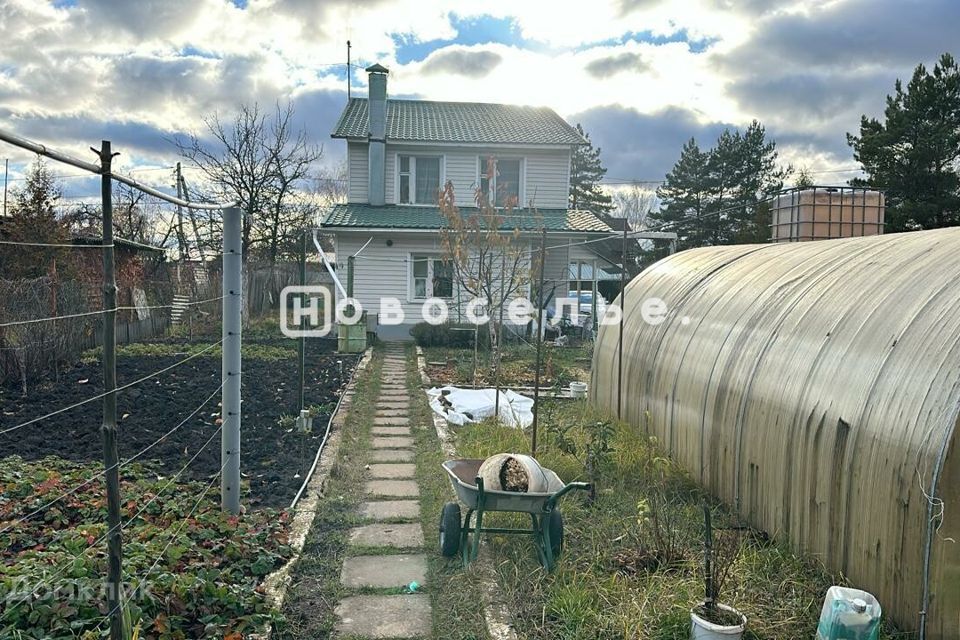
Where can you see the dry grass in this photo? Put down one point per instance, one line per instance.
(595, 592)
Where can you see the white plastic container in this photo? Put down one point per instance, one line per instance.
(578, 390)
(849, 614)
(701, 629)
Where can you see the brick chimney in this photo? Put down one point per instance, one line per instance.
(377, 131)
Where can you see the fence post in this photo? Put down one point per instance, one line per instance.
(108, 429)
(231, 361)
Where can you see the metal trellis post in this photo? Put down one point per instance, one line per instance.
(540, 332)
(623, 312)
(108, 429)
(302, 346)
(231, 362)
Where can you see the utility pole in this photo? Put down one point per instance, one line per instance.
(349, 71)
(536, 374)
(231, 360)
(6, 174)
(108, 428)
(181, 236)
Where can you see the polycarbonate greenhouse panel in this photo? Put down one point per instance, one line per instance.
(815, 387)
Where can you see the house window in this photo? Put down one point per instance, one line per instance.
(432, 278)
(419, 179)
(502, 188)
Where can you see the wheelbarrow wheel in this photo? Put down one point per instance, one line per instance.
(450, 529)
(556, 532)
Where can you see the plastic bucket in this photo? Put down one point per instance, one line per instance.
(578, 389)
(701, 629)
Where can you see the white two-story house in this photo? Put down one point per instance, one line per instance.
(400, 153)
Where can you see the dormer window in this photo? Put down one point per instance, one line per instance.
(503, 186)
(418, 179)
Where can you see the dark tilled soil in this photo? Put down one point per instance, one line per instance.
(272, 455)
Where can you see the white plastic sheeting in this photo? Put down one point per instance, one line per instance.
(473, 405)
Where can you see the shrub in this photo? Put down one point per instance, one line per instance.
(448, 334)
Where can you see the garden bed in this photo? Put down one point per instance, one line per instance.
(274, 456)
(560, 365)
(190, 571)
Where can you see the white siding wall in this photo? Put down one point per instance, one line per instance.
(547, 171)
(382, 271)
(358, 172)
(555, 275)
(548, 180)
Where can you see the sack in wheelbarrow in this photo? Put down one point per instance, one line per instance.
(519, 473)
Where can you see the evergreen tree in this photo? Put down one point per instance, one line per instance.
(721, 196)
(683, 197)
(33, 218)
(759, 177)
(914, 154)
(586, 172)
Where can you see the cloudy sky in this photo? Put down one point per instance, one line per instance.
(642, 76)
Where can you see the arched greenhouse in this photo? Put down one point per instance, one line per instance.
(815, 387)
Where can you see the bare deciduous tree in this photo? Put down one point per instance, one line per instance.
(633, 203)
(262, 165)
(488, 255)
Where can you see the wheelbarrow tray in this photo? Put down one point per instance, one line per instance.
(463, 475)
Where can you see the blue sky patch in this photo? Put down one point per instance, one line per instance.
(470, 31)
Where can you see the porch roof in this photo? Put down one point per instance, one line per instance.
(365, 216)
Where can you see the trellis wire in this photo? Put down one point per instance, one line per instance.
(121, 465)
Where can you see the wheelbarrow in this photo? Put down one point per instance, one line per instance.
(547, 529)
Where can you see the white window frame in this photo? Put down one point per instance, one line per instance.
(521, 191)
(411, 285)
(413, 176)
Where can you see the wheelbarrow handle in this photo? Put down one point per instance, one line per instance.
(583, 486)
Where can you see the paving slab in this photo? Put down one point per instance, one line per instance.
(399, 536)
(406, 616)
(394, 393)
(389, 509)
(393, 470)
(396, 421)
(383, 571)
(391, 455)
(392, 413)
(393, 488)
(392, 386)
(388, 442)
(391, 431)
(387, 405)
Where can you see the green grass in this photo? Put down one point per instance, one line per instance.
(591, 594)
(455, 592)
(249, 351)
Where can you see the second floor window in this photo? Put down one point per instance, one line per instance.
(419, 179)
(503, 186)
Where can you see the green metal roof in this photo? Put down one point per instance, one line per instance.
(466, 122)
(360, 215)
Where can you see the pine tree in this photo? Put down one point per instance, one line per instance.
(914, 154)
(683, 198)
(721, 196)
(759, 178)
(586, 172)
